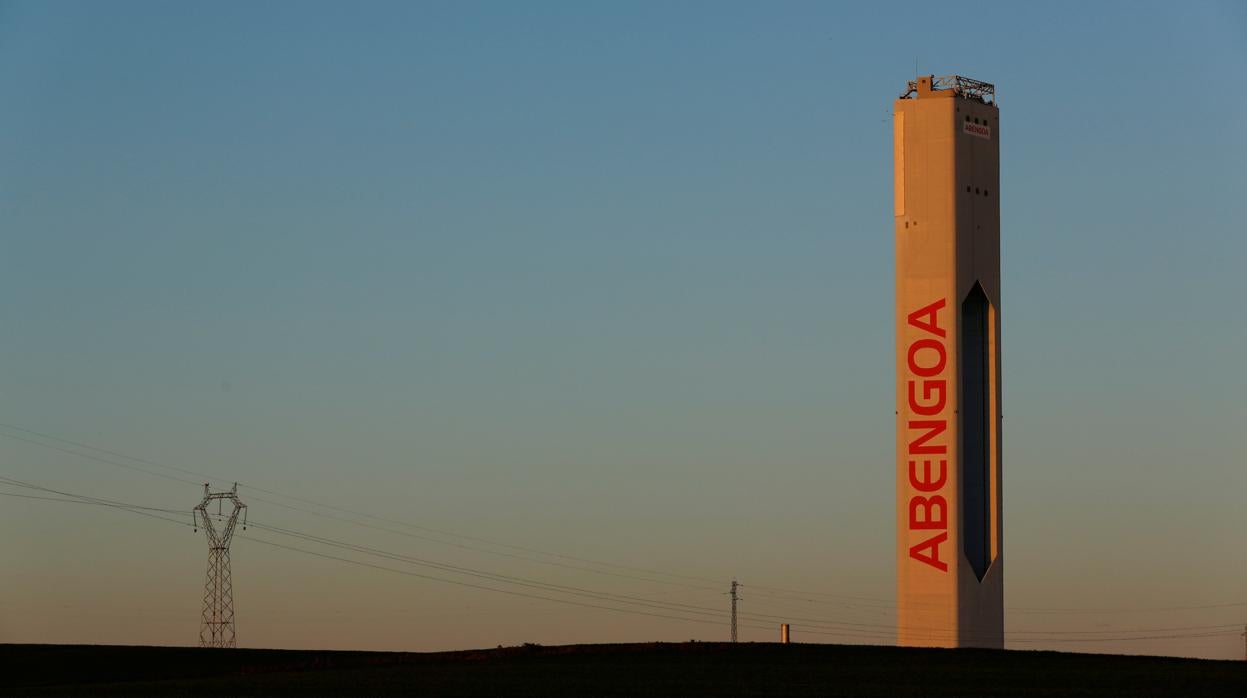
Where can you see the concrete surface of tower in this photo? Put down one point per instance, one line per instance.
(949, 563)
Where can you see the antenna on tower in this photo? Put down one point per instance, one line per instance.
(216, 628)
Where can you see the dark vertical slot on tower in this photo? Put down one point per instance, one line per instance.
(975, 409)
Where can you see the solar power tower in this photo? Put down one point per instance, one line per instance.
(949, 562)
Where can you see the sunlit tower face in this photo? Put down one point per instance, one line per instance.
(949, 578)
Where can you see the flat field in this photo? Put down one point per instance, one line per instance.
(684, 669)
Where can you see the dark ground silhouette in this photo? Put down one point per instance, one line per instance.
(685, 669)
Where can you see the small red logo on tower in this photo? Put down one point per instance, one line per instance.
(980, 130)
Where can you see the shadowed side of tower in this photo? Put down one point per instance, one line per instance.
(950, 590)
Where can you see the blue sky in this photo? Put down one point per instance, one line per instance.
(607, 280)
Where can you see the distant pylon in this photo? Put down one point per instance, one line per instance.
(735, 598)
(216, 628)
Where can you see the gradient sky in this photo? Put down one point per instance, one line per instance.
(612, 281)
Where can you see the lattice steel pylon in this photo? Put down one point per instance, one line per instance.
(216, 628)
(735, 598)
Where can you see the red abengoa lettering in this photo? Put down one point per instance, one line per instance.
(977, 130)
(932, 397)
(926, 358)
(928, 512)
(941, 358)
(930, 311)
(933, 427)
(926, 484)
(928, 551)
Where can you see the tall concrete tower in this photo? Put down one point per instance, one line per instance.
(949, 571)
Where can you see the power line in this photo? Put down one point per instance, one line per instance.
(481, 586)
(84, 499)
(135, 509)
(96, 449)
(774, 592)
(1071, 611)
(890, 605)
(507, 579)
(486, 551)
(131, 510)
(672, 617)
(334, 508)
(493, 576)
(521, 581)
(98, 459)
(1011, 633)
(812, 626)
(680, 607)
(536, 584)
(87, 498)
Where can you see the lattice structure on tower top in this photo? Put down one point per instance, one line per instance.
(968, 88)
(216, 628)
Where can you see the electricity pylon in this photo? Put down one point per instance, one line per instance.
(735, 598)
(216, 628)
